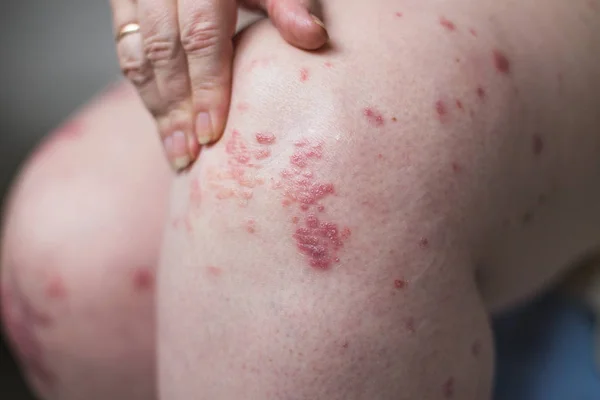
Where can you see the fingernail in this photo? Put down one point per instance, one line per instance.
(177, 150)
(204, 129)
(318, 21)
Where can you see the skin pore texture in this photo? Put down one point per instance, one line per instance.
(366, 209)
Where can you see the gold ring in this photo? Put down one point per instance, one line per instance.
(127, 30)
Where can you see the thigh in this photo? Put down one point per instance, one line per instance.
(299, 264)
(79, 249)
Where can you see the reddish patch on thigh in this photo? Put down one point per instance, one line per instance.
(55, 288)
(446, 23)
(319, 239)
(143, 279)
(304, 74)
(501, 62)
(374, 117)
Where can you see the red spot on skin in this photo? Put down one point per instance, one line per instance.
(399, 14)
(473, 32)
(303, 74)
(243, 106)
(239, 178)
(400, 283)
(214, 271)
(448, 388)
(250, 225)
(55, 289)
(410, 325)
(480, 92)
(328, 64)
(345, 345)
(456, 167)
(476, 348)
(459, 104)
(319, 241)
(501, 62)
(143, 279)
(537, 144)
(440, 108)
(265, 138)
(261, 154)
(374, 117)
(449, 25)
(423, 243)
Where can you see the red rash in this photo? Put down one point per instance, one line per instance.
(410, 325)
(214, 271)
(250, 225)
(448, 388)
(265, 138)
(456, 167)
(424, 243)
(481, 93)
(473, 32)
(56, 288)
(304, 75)
(374, 117)
(399, 14)
(449, 25)
(240, 177)
(317, 239)
(328, 64)
(501, 62)
(400, 283)
(459, 104)
(440, 108)
(143, 279)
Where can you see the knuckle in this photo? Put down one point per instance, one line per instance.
(138, 72)
(200, 38)
(161, 49)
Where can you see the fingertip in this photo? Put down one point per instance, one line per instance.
(298, 26)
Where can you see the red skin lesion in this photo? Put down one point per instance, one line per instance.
(399, 14)
(446, 23)
(143, 279)
(55, 288)
(213, 271)
(400, 283)
(480, 92)
(374, 117)
(501, 62)
(304, 75)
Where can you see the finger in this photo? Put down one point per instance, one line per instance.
(206, 29)
(160, 30)
(130, 53)
(295, 21)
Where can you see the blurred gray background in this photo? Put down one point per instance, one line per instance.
(54, 55)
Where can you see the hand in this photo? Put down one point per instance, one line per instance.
(178, 54)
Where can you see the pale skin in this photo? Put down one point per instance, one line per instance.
(458, 158)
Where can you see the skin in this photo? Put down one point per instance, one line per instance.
(457, 188)
(461, 150)
(180, 61)
(80, 243)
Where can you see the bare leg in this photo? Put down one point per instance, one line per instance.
(79, 250)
